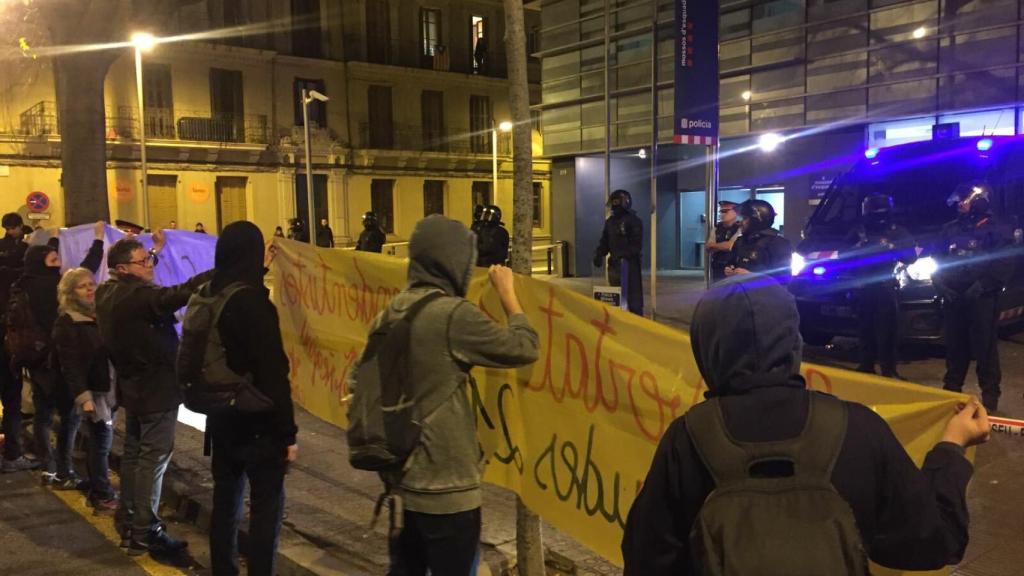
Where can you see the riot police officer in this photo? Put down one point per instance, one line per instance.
(719, 244)
(491, 238)
(372, 238)
(622, 237)
(478, 215)
(297, 230)
(760, 248)
(973, 269)
(878, 246)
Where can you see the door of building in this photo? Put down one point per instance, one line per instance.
(231, 204)
(163, 200)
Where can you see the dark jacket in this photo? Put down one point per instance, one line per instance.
(136, 322)
(325, 237)
(765, 251)
(622, 237)
(40, 280)
(251, 333)
(492, 245)
(723, 233)
(12, 263)
(973, 250)
(745, 338)
(876, 250)
(83, 362)
(371, 240)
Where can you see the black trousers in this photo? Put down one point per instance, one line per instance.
(878, 316)
(625, 273)
(10, 397)
(444, 544)
(970, 327)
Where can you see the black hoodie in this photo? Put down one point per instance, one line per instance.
(40, 280)
(251, 335)
(747, 345)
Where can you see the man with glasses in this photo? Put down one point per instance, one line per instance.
(719, 244)
(136, 323)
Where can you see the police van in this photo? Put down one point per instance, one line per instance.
(919, 177)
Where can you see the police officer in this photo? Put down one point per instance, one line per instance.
(878, 245)
(478, 215)
(719, 244)
(760, 248)
(372, 238)
(973, 269)
(297, 230)
(491, 238)
(622, 237)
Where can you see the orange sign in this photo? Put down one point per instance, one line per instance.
(124, 192)
(199, 193)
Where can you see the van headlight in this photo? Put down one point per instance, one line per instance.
(796, 264)
(922, 269)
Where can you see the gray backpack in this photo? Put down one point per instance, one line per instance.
(774, 511)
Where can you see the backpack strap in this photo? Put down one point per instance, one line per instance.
(813, 452)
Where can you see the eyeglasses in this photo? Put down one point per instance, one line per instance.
(149, 261)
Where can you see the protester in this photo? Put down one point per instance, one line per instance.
(745, 338)
(173, 225)
(278, 232)
(492, 238)
(622, 238)
(253, 447)
(136, 324)
(441, 483)
(12, 262)
(372, 238)
(85, 366)
(324, 235)
(200, 229)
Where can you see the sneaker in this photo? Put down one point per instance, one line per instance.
(71, 482)
(157, 542)
(20, 464)
(105, 507)
(48, 478)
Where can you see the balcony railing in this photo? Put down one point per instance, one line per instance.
(452, 140)
(161, 123)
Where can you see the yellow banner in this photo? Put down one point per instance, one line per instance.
(573, 434)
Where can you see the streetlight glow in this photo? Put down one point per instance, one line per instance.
(920, 33)
(746, 95)
(770, 142)
(143, 41)
(505, 126)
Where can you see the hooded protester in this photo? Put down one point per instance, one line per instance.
(746, 341)
(440, 486)
(253, 447)
(622, 238)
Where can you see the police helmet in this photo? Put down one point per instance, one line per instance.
(971, 198)
(491, 214)
(620, 198)
(478, 212)
(876, 205)
(369, 219)
(759, 213)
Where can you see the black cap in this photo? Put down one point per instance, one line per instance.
(12, 220)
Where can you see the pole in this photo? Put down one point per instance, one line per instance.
(654, 159)
(494, 162)
(309, 167)
(142, 138)
(710, 202)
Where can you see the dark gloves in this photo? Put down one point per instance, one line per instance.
(598, 261)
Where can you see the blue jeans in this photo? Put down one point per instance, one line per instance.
(101, 437)
(261, 461)
(47, 401)
(148, 447)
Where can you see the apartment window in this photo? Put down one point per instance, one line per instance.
(382, 133)
(478, 36)
(317, 109)
(382, 203)
(480, 124)
(378, 31)
(538, 204)
(432, 108)
(156, 88)
(227, 103)
(482, 193)
(433, 197)
(306, 28)
(430, 30)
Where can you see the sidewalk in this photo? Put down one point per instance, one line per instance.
(329, 506)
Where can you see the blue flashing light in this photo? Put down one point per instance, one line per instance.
(819, 270)
(871, 153)
(985, 144)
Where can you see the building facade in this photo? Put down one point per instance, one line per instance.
(415, 89)
(833, 77)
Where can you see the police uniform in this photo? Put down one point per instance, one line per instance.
(491, 244)
(972, 272)
(371, 239)
(622, 237)
(764, 251)
(878, 249)
(720, 258)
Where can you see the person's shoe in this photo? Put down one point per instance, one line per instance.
(70, 482)
(991, 405)
(48, 478)
(125, 532)
(105, 507)
(893, 374)
(158, 543)
(19, 464)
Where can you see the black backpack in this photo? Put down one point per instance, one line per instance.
(208, 384)
(382, 432)
(772, 520)
(26, 343)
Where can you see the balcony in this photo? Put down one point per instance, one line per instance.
(446, 140)
(161, 124)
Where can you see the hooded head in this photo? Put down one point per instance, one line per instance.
(42, 260)
(746, 335)
(442, 253)
(239, 256)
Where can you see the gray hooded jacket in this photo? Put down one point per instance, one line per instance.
(449, 337)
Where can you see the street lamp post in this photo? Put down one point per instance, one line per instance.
(307, 98)
(505, 126)
(143, 42)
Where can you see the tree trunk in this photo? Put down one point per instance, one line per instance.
(82, 120)
(529, 543)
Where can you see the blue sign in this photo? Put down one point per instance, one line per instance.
(696, 72)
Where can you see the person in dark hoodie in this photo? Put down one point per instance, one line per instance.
(49, 391)
(745, 337)
(440, 488)
(249, 446)
(136, 323)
